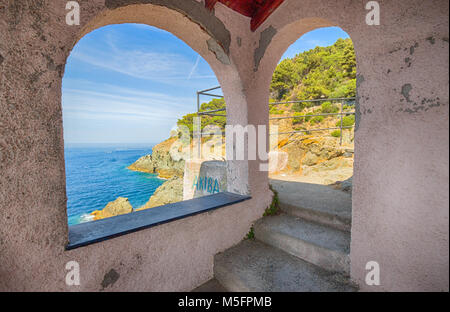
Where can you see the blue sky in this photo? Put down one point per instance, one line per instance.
(321, 37)
(130, 83)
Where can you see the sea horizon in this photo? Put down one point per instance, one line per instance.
(108, 144)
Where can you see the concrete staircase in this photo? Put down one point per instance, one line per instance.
(304, 248)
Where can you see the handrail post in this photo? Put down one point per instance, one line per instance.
(198, 121)
(198, 128)
(198, 102)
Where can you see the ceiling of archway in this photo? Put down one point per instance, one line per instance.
(257, 10)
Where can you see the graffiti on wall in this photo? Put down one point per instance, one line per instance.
(206, 184)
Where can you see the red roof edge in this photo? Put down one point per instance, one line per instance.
(263, 13)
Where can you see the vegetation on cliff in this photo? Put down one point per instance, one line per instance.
(328, 72)
(214, 104)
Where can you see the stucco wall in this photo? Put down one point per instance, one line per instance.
(400, 197)
(34, 44)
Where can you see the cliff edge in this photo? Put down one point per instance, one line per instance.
(160, 161)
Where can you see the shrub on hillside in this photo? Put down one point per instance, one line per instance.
(347, 121)
(275, 110)
(329, 108)
(317, 119)
(336, 133)
(298, 107)
(300, 120)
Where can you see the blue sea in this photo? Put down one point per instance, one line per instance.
(98, 174)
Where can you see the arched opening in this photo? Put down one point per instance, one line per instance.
(129, 101)
(312, 110)
(307, 227)
(312, 118)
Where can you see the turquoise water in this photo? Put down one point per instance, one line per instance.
(96, 175)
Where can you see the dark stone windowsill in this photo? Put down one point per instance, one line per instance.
(96, 231)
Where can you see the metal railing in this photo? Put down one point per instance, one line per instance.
(205, 92)
(341, 101)
(316, 102)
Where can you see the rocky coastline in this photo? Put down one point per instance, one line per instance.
(161, 163)
(311, 158)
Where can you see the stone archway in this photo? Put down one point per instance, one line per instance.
(400, 202)
(315, 221)
(212, 44)
(144, 257)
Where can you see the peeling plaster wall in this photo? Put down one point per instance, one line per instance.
(400, 197)
(400, 194)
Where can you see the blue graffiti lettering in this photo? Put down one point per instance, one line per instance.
(208, 184)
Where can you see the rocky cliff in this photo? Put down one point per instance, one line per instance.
(160, 161)
(118, 207)
(312, 156)
(169, 192)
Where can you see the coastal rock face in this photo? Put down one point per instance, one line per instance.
(118, 207)
(169, 192)
(306, 151)
(160, 161)
(311, 151)
(312, 156)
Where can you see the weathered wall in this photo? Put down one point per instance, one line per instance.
(400, 196)
(34, 44)
(204, 177)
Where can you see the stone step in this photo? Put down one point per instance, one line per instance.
(254, 266)
(318, 244)
(212, 285)
(315, 202)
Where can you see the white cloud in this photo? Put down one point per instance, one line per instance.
(138, 64)
(194, 67)
(142, 64)
(119, 103)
